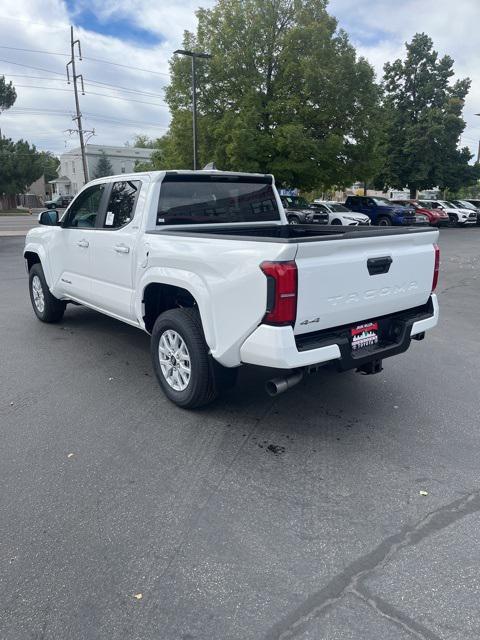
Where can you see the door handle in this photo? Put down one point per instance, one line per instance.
(377, 266)
(83, 243)
(121, 248)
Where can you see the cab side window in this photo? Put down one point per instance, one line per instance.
(83, 212)
(121, 206)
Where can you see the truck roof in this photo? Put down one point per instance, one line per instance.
(157, 176)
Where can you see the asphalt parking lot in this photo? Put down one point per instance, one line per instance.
(124, 517)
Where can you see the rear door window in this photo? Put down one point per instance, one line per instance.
(121, 204)
(189, 199)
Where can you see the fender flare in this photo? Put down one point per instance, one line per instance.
(38, 249)
(183, 279)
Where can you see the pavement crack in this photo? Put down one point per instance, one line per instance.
(361, 569)
(392, 614)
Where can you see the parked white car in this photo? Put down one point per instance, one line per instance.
(457, 215)
(207, 264)
(338, 214)
(465, 204)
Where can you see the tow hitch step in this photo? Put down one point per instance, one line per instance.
(370, 368)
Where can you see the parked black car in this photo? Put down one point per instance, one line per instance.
(298, 211)
(60, 202)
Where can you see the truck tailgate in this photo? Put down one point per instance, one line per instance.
(361, 278)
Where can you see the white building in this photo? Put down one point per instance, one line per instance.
(70, 171)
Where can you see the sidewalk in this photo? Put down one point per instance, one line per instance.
(17, 225)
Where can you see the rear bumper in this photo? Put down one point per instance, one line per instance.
(277, 347)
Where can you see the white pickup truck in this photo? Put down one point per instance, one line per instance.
(207, 264)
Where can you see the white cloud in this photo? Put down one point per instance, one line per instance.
(453, 27)
(378, 28)
(23, 24)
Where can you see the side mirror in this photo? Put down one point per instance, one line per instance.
(49, 218)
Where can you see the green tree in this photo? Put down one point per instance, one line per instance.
(8, 95)
(103, 167)
(50, 164)
(284, 92)
(424, 121)
(20, 165)
(142, 141)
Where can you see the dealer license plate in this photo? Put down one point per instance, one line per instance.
(364, 335)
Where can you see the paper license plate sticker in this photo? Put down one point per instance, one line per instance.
(110, 218)
(364, 335)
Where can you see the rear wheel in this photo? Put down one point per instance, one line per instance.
(454, 220)
(384, 222)
(188, 375)
(47, 308)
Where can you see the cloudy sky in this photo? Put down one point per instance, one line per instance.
(126, 98)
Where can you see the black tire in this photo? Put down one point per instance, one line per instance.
(207, 377)
(454, 220)
(383, 221)
(336, 221)
(294, 220)
(52, 309)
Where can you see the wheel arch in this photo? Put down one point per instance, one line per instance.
(35, 254)
(161, 292)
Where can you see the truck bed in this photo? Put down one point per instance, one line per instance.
(287, 233)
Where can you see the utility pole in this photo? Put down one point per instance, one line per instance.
(78, 117)
(194, 55)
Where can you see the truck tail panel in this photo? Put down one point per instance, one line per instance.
(353, 279)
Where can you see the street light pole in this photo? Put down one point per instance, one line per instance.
(194, 114)
(478, 152)
(193, 55)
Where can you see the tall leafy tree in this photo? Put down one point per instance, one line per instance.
(143, 141)
(20, 165)
(49, 164)
(103, 167)
(424, 121)
(8, 95)
(284, 92)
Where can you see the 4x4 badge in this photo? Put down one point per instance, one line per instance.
(310, 321)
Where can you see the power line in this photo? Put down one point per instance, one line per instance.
(93, 93)
(50, 53)
(27, 66)
(88, 82)
(116, 64)
(56, 112)
(127, 66)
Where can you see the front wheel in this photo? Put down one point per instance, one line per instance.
(454, 220)
(336, 221)
(384, 222)
(47, 308)
(188, 375)
(294, 220)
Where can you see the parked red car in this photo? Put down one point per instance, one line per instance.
(436, 217)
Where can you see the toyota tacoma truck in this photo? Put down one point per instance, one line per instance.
(207, 264)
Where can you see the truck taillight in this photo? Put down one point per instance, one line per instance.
(436, 267)
(281, 292)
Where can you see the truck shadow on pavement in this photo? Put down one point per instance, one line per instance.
(348, 400)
